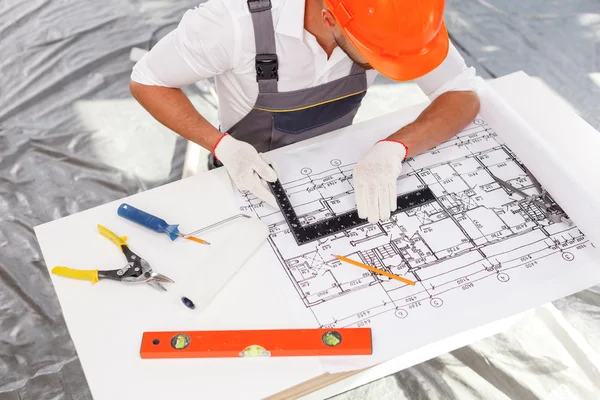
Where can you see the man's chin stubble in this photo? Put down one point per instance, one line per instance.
(365, 66)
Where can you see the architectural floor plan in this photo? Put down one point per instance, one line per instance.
(474, 241)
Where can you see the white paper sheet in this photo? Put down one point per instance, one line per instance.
(107, 320)
(477, 253)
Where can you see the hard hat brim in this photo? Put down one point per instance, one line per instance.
(407, 67)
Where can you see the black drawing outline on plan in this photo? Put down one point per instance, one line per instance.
(487, 232)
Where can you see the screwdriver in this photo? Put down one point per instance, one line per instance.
(154, 223)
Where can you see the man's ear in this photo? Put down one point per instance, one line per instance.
(328, 20)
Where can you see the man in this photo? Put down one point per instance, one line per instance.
(288, 70)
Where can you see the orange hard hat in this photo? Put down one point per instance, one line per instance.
(402, 39)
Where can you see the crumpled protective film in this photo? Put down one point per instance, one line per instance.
(72, 138)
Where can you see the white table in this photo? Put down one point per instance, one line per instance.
(106, 320)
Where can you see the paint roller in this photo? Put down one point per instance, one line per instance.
(226, 258)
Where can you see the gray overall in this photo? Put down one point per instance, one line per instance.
(281, 118)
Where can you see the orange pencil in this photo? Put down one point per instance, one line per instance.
(195, 239)
(373, 269)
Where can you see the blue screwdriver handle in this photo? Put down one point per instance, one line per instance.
(147, 220)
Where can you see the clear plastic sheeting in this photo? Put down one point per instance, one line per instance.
(539, 357)
(72, 137)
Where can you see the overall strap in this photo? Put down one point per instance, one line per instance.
(266, 62)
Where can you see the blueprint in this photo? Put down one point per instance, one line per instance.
(477, 253)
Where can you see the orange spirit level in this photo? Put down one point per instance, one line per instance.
(257, 343)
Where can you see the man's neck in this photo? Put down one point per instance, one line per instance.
(314, 25)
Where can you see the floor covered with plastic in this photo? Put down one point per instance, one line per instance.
(72, 137)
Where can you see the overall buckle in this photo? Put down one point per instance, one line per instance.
(259, 5)
(267, 67)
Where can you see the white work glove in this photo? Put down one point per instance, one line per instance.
(375, 180)
(246, 167)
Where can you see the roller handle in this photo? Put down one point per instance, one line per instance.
(147, 220)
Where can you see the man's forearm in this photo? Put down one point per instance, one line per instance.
(172, 108)
(441, 120)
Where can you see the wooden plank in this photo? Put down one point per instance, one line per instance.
(312, 385)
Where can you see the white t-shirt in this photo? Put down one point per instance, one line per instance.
(216, 39)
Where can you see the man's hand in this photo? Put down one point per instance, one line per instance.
(376, 174)
(246, 167)
(375, 180)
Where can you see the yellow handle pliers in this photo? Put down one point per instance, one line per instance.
(137, 269)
